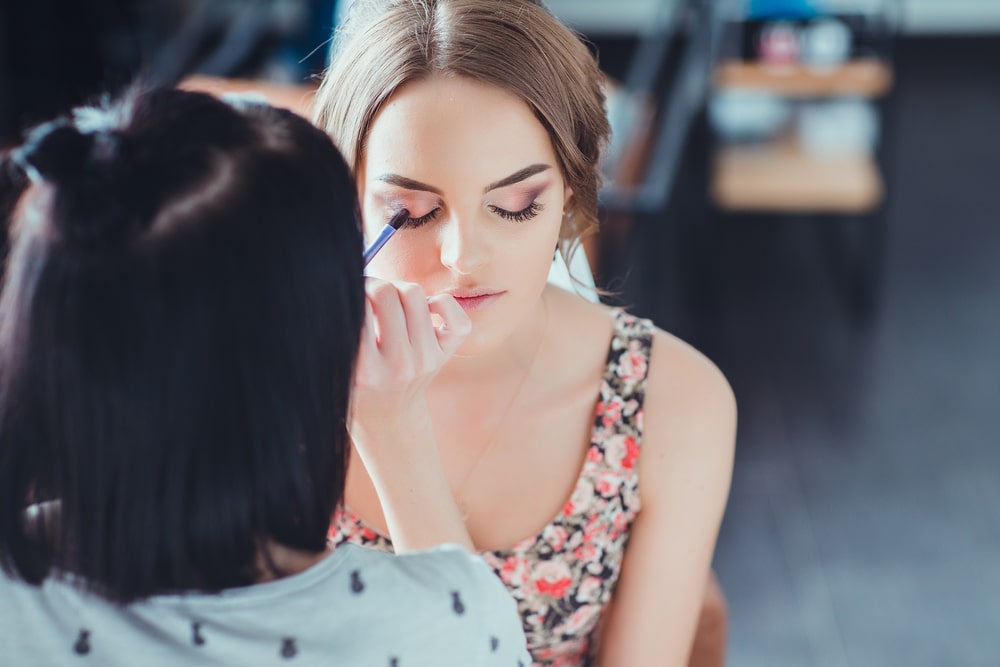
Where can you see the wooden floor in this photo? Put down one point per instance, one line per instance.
(864, 522)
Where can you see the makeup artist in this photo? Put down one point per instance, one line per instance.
(181, 323)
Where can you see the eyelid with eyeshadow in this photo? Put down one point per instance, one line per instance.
(519, 195)
(394, 200)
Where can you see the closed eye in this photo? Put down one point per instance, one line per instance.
(533, 209)
(417, 222)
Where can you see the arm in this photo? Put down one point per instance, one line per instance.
(401, 352)
(684, 473)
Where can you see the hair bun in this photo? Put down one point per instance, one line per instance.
(56, 152)
(87, 175)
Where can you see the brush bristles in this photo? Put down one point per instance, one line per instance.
(399, 218)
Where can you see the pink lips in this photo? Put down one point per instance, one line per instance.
(476, 299)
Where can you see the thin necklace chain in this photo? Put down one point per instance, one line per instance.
(457, 491)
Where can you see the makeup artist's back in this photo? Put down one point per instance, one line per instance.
(179, 325)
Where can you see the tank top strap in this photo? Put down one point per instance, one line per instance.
(627, 365)
(618, 420)
(628, 357)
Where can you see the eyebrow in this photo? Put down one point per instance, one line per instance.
(407, 183)
(517, 177)
(410, 184)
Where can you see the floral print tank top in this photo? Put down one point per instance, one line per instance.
(563, 577)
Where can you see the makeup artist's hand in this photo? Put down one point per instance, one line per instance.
(401, 349)
(401, 353)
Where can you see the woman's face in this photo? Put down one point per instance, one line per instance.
(479, 175)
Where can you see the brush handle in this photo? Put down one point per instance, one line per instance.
(398, 219)
(383, 238)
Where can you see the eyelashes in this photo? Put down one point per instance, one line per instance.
(525, 214)
(417, 222)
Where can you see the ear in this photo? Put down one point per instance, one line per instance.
(567, 195)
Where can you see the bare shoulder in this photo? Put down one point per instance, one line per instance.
(683, 381)
(689, 415)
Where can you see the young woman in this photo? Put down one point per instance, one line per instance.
(179, 324)
(589, 451)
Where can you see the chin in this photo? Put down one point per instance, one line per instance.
(488, 333)
(479, 342)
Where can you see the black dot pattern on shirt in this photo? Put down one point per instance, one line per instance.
(357, 586)
(196, 637)
(289, 649)
(82, 645)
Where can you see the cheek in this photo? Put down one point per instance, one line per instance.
(536, 246)
(403, 258)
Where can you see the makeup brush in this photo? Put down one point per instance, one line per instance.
(391, 227)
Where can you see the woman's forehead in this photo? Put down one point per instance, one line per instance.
(456, 124)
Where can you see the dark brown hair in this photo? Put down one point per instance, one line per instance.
(179, 323)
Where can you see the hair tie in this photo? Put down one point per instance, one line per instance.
(91, 205)
(55, 152)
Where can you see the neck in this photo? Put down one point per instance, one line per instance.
(286, 561)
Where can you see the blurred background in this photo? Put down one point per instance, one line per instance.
(805, 190)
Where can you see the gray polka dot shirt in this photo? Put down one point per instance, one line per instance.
(357, 606)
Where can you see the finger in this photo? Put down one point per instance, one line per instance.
(369, 332)
(392, 339)
(368, 353)
(419, 325)
(455, 323)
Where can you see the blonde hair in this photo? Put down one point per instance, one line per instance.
(516, 45)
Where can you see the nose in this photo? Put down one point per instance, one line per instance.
(463, 244)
